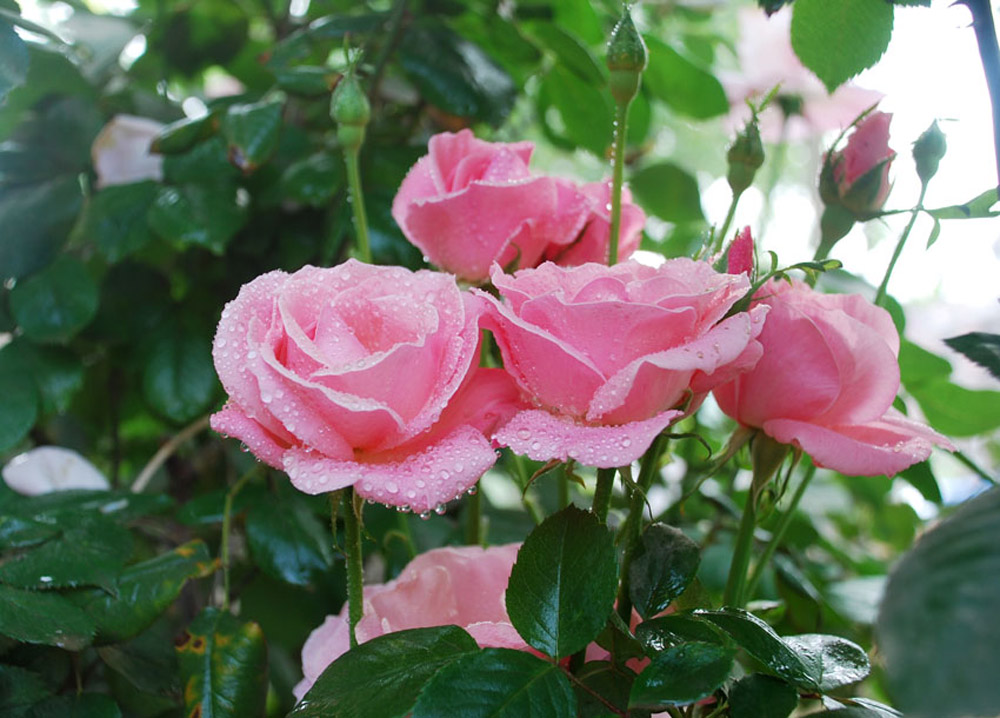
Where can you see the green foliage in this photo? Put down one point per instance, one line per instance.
(13, 60)
(980, 347)
(683, 674)
(762, 696)
(662, 566)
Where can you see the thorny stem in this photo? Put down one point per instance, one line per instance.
(166, 451)
(989, 54)
(227, 517)
(880, 294)
(602, 494)
(621, 120)
(737, 581)
(357, 200)
(720, 238)
(355, 575)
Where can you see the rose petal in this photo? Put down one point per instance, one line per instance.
(489, 634)
(542, 436)
(45, 469)
(231, 421)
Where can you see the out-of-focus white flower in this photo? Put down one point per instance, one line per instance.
(51, 468)
(766, 59)
(121, 151)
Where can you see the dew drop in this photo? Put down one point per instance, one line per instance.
(440, 509)
(626, 442)
(251, 354)
(392, 487)
(472, 490)
(443, 475)
(424, 515)
(421, 483)
(523, 434)
(536, 445)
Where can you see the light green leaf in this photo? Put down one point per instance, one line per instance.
(669, 192)
(685, 87)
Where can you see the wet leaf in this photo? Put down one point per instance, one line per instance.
(663, 565)
(683, 674)
(56, 303)
(43, 617)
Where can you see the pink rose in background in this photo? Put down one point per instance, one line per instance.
(121, 151)
(766, 59)
(861, 170)
(361, 375)
(826, 383)
(593, 242)
(606, 354)
(462, 586)
(469, 203)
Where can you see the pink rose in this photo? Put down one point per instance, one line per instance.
(860, 171)
(740, 257)
(593, 242)
(469, 203)
(607, 354)
(447, 586)
(826, 383)
(361, 375)
(121, 151)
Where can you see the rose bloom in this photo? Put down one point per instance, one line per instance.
(45, 469)
(121, 151)
(462, 586)
(361, 375)
(861, 170)
(469, 203)
(826, 383)
(607, 355)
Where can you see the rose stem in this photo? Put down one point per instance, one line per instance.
(355, 576)
(779, 531)
(986, 39)
(357, 200)
(563, 485)
(166, 451)
(880, 294)
(227, 517)
(474, 518)
(618, 176)
(632, 529)
(602, 494)
(720, 239)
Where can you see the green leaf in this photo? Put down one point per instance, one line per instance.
(586, 111)
(252, 132)
(761, 696)
(456, 75)
(935, 234)
(143, 592)
(937, 629)
(115, 219)
(803, 670)
(288, 542)
(205, 162)
(183, 134)
(56, 303)
(978, 207)
(85, 705)
(922, 478)
(147, 661)
(223, 663)
(43, 617)
(957, 411)
(19, 690)
(663, 565)
(669, 192)
(179, 380)
(307, 80)
(20, 404)
(89, 550)
(837, 40)
(842, 662)
(681, 675)
(562, 586)
(686, 88)
(120, 505)
(36, 220)
(497, 683)
(313, 181)
(612, 683)
(205, 216)
(56, 371)
(982, 348)
(13, 60)
(385, 673)
(658, 634)
(917, 365)
(571, 52)
(19, 532)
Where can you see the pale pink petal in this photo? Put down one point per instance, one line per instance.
(231, 421)
(541, 436)
(593, 244)
(703, 382)
(487, 399)
(325, 644)
(497, 635)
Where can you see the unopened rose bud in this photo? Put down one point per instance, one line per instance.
(740, 257)
(350, 109)
(928, 150)
(627, 58)
(745, 157)
(857, 177)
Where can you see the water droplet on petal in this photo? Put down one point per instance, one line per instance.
(440, 509)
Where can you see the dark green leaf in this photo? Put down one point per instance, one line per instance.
(456, 75)
(386, 673)
(837, 40)
(307, 80)
(148, 661)
(803, 670)
(56, 303)
(922, 478)
(685, 87)
(252, 132)
(585, 110)
(182, 135)
(120, 505)
(19, 407)
(760, 696)
(562, 586)
(19, 690)
(572, 53)
(663, 564)
(223, 663)
(937, 629)
(314, 180)
(89, 550)
(206, 162)
(982, 348)
(288, 542)
(144, 591)
(13, 60)
(115, 219)
(56, 371)
(669, 192)
(843, 662)
(18, 532)
(43, 617)
(955, 410)
(658, 634)
(36, 221)
(978, 207)
(497, 683)
(681, 675)
(179, 377)
(851, 712)
(612, 683)
(205, 216)
(192, 37)
(85, 705)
